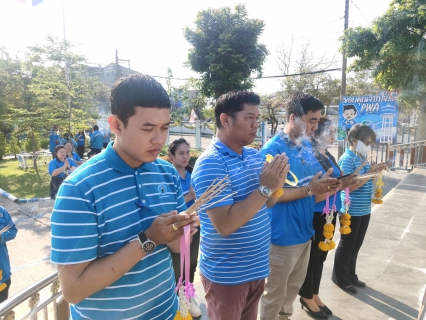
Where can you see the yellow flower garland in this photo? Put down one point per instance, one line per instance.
(345, 221)
(378, 193)
(3, 285)
(328, 227)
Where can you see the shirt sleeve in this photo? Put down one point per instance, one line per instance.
(209, 170)
(74, 227)
(11, 233)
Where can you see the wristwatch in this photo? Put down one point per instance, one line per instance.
(147, 245)
(265, 191)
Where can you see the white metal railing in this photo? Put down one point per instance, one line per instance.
(32, 295)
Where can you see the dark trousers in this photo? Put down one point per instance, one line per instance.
(5, 293)
(93, 151)
(316, 259)
(194, 248)
(55, 183)
(80, 151)
(344, 270)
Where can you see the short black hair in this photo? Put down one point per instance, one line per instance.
(361, 132)
(57, 148)
(95, 127)
(301, 103)
(350, 107)
(137, 90)
(233, 102)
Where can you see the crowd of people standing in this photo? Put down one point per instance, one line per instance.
(256, 249)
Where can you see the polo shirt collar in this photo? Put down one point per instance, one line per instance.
(224, 149)
(118, 164)
(353, 154)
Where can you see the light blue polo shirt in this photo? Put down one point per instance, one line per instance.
(243, 256)
(95, 214)
(5, 220)
(96, 140)
(361, 197)
(291, 222)
(186, 185)
(55, 164)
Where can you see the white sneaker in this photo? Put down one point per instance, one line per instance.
(194, 310)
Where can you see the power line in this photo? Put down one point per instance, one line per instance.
(360, 12)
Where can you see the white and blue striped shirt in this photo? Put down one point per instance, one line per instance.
(243, 256)
(95, 214)
(361, 197)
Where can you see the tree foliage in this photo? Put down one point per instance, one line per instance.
(394, 48)
(225, 49)
(49, 85)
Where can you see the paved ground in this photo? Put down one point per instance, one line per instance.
(392, 260)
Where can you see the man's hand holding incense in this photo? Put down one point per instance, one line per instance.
(275, 172)
(168, 227)
(324, 184)
(377, 167)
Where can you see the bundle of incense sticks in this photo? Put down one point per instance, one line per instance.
(363, 164)
(212, 191)
(6, 228)
(367, 176)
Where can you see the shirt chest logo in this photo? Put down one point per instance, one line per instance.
(162, 189)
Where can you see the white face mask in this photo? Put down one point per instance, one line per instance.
(362, 149)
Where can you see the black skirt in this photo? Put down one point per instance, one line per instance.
(55, 183)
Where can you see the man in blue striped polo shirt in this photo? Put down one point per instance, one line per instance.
(292, 216)
(114, 219)
(235, 233)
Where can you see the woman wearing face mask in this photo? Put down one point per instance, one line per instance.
(59, 168)
(360, 138)
(179, 154)
(323, 138)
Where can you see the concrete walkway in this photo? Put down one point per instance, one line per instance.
(392, 260)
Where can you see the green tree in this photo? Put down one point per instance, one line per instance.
(394, 48)
(225, 49)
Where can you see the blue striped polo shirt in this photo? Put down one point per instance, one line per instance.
(243, 256)
(361, 197)
(95, 215)
(292, 221)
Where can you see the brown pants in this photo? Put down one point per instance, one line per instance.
(232, 302)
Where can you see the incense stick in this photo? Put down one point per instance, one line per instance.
(211, 192)
(6, 228)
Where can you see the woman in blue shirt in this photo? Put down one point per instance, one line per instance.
(81, 143)
(360, 139)
(324, 137)
(179, 155)
(59, 168)
(71, 154)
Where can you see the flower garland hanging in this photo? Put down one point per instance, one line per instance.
(3, 285)
(184, 288)
(345, 218)
(328, 228)
(378, 194)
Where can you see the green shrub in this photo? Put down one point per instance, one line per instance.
(29, 145)
(14, 147)
(44, 143)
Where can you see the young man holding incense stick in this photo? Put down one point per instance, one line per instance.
(114, 219)
(235, 233)
(291, 217)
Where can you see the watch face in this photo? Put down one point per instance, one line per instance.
(148, 246)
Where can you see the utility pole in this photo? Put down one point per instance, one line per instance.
(343, 82)
(118, 74)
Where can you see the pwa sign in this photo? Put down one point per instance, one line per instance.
(379, 111)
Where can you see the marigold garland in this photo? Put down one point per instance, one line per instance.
(3, 285)
(328, 227)
(378, 193)
(345, 221)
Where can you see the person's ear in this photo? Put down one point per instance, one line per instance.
(224, 119)
(115, 124)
